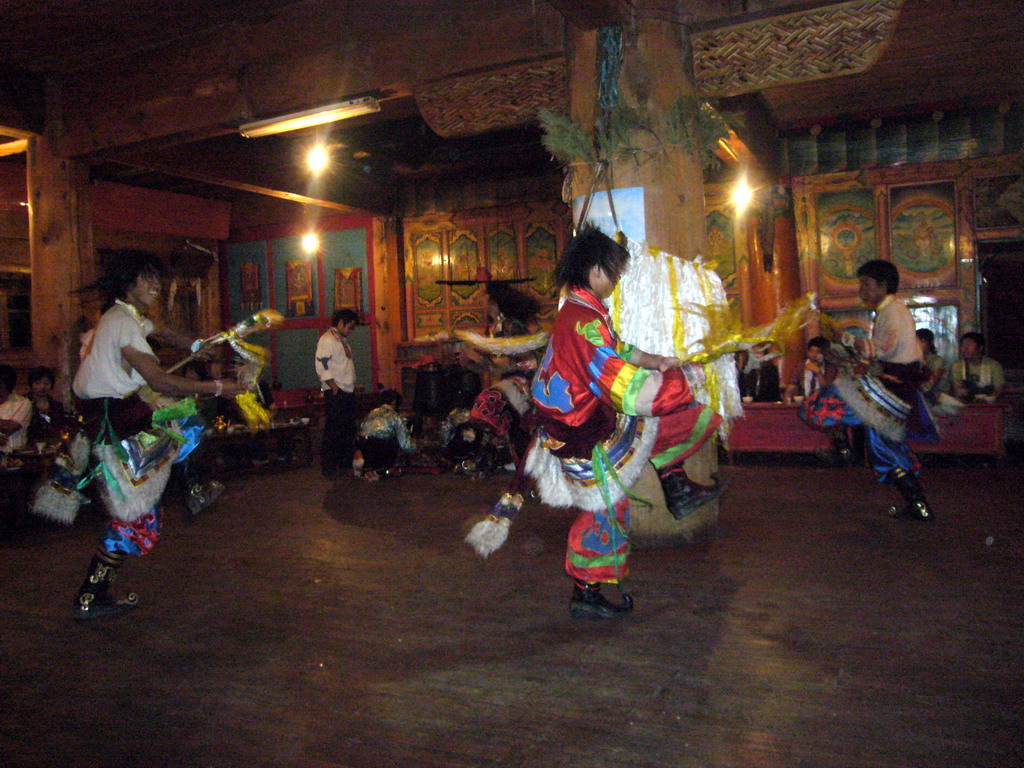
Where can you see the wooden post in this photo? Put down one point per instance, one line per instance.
(60, 233)
(656, 70)
(388, 294)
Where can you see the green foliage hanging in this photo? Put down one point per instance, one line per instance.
(565, 139)
(691, 125)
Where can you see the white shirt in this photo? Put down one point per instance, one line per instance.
(894, 336)
(19, 409)
(334, 361)
(104, 372)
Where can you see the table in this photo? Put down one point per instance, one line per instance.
(286, 445)
(774, 428)
(979, 429)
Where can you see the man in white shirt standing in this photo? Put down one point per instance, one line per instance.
(337, 372)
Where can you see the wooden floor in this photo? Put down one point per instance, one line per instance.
(341, 624)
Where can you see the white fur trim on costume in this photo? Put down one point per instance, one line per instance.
(56, 504)
(504, 345)
(557, 491)
(138, 499)
(869, 411)
(517, 398)
(79, 454)
(487, 536)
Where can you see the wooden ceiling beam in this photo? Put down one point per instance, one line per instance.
(242, 72)
(593, 14)
(344, 190)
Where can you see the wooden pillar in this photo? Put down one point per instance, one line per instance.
(60, 232)
(786, 272)
(388, 294)
(653, 76)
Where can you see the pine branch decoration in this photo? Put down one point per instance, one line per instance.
(565, 139)
(691, 125)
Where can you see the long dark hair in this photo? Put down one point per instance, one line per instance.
(588, 249)
(928, 337)
(121, 268)
(512, 303)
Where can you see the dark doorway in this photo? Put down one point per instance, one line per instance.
(1001, 270)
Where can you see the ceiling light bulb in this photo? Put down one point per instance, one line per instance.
(310, 242)
(318, 158)
(742, 195)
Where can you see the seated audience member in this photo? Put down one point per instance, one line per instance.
(15, 412)
(462, 442)
(974, 377)
(936, 365)
(49, 419)
(741, 359)
(814, 373)
(382, 438)
(761, 380)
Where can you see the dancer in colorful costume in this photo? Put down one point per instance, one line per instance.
(504, 408)
(878, 386)
(135, 440)
(595, 398)
(498, 420)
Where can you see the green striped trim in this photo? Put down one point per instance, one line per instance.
(700, 432)
(581, 561)
(633, 391)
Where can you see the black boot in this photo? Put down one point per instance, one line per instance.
(94, 600)
(839, 454)
(588, 603)
(910, 488)
(841, 445)
(682, 495)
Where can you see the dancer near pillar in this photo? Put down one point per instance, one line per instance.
(136, 441)
(880, 389)
(595, 397)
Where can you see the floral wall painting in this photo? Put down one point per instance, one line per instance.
(998, 202)
(847, 237)
(463, 260)
(249, 286)
(428, 269)
(299, 285)
(923, 234)
(348, 289)
(855, 322)
(502, 259)
(721, 247)
(541, 258)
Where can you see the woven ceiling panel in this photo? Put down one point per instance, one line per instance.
(837, 40)
(488, 101)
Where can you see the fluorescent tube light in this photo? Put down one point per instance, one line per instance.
(328, 114)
